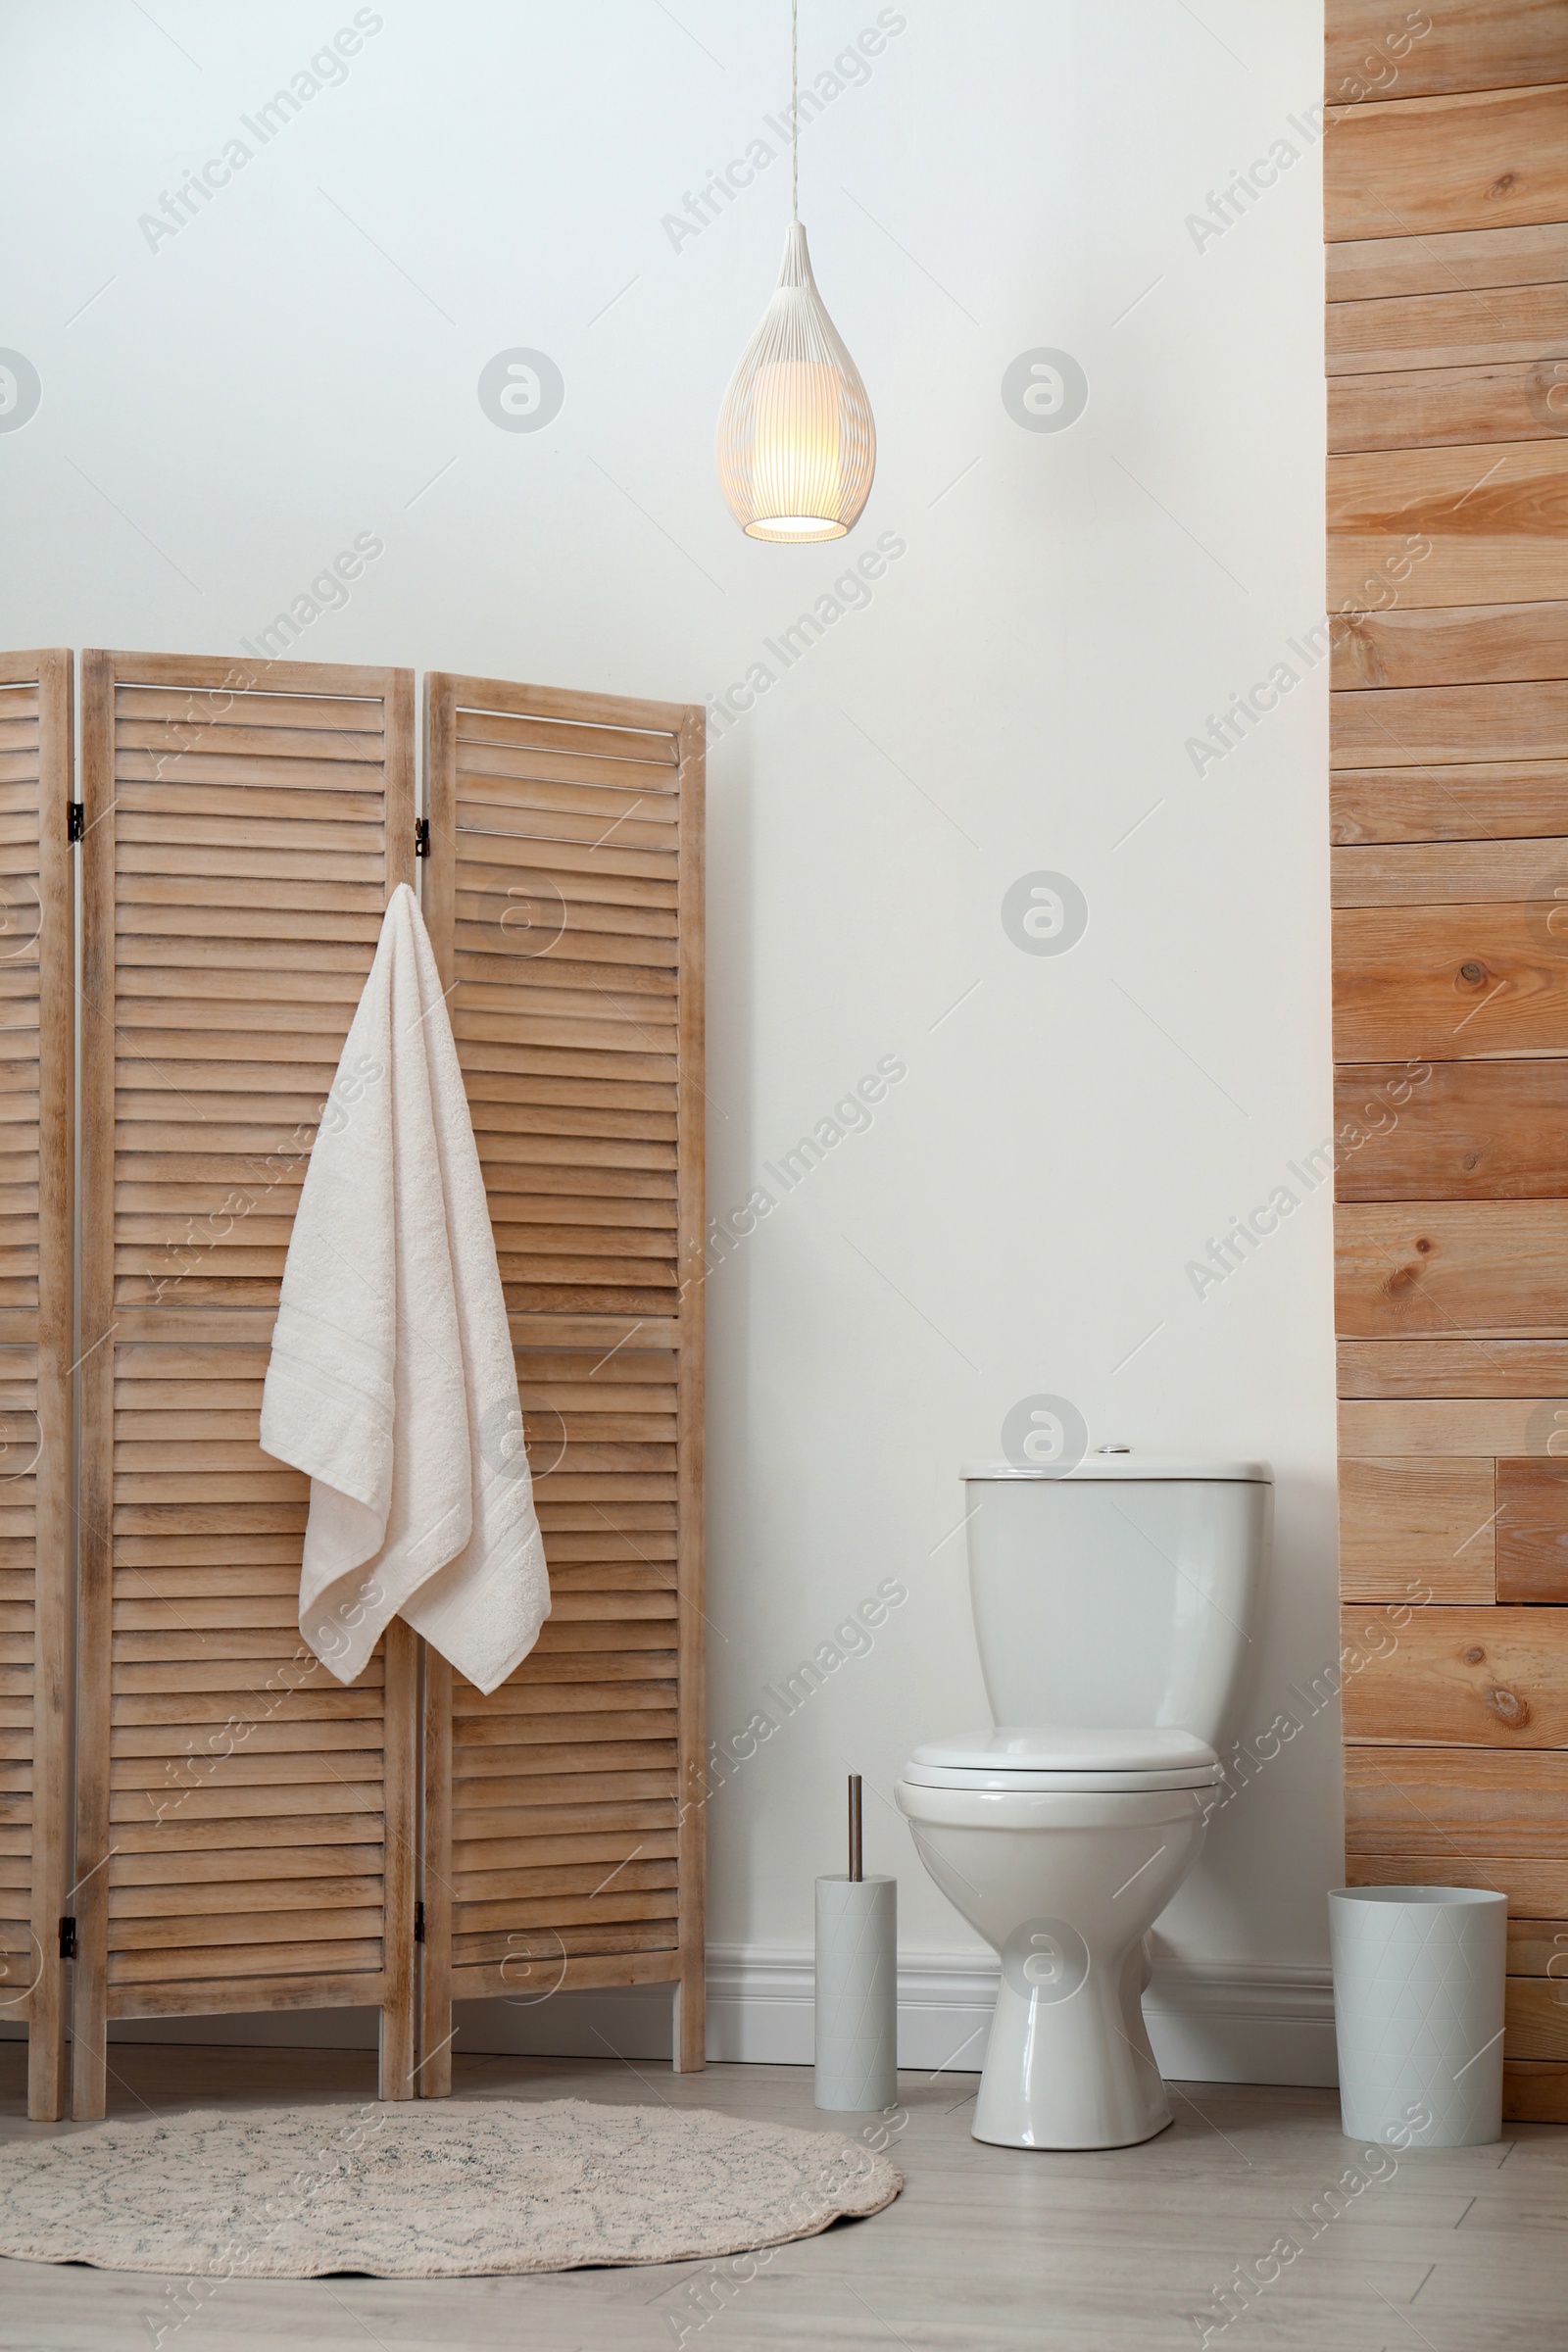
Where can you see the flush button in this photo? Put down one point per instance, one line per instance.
(1113, 1449)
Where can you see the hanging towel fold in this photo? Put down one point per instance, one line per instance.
(391, 1382)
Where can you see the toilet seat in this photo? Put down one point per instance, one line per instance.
(1092, 1759)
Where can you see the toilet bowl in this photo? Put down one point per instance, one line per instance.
(1113, 1607)
(1061, 1853)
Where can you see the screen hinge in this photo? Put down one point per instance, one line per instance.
(75, 820)
(68, 1939)
(421, 837)
(419, 1923)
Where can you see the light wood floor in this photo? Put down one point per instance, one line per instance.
(987, 2250)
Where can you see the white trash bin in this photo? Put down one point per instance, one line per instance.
(1418, 1994)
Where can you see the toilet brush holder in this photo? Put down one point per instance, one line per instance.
(856, 1985)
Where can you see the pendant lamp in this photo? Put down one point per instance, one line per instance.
(797, 444)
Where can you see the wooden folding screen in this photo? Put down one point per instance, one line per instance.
(245, 1825)
(564, 1819)
(1447, 200)
(37, 980)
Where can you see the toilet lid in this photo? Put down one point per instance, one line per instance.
(1066, 1757)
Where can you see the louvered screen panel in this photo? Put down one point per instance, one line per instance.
(565, 898)
(245, 1823)
(37, 975)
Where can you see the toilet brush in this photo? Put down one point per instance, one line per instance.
(856, 1983)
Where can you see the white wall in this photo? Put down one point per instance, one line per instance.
(298, 364)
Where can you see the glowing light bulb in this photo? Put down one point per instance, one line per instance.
(797, 441)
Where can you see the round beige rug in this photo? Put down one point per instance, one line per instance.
(426, 2190)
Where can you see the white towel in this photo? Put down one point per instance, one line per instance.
(391, 1382)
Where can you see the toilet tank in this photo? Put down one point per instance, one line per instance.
(1121, 1592)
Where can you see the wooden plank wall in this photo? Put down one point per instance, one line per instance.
(1445, 161)
(37, 1551)
(245, 1825)
(565, 898)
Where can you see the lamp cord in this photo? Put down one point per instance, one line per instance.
(795, 124)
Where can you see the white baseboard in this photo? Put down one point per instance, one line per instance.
(1237, 2022)
(1210, 2021)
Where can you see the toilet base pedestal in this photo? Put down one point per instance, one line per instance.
(1068, 2064)
(1065, 1885)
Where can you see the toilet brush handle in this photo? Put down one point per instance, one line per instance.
(855, 1826)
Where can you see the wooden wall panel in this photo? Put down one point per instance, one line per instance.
(1387, 266)
(1449, 526)
(1446, 1428)
(1528, 874)
(1377, 51)
(1488, 1677)
(1447, 211)
(1477, 158)
(1495, 800)
(1427, 407)
(1397, 726)
(1453, 1368)
(1532, 1524)
(1443, 1268)
(245, 1823)
(563, 1822)
(1450, 1805)
(1448, 982)
(1408, 1528)
(38, 1547)
(1480, 1131)
(1482, 645)
(1487, 330)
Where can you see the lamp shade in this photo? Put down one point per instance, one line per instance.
(797, 444)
